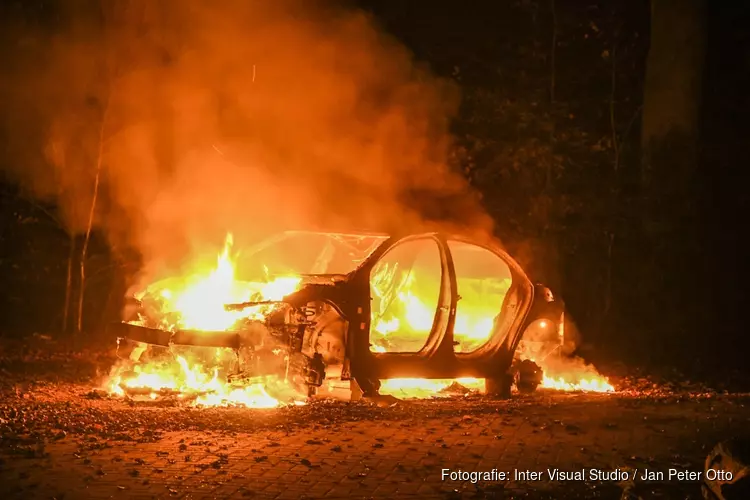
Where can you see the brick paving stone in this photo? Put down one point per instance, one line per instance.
(400, 458)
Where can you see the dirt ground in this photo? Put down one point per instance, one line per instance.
(60, 439)
(58, 443)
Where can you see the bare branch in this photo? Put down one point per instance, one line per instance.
(612, 121)
(553, 50)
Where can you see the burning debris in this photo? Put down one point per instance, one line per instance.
(243, 341)
(542, 361)
(325, 312)
(427, 388)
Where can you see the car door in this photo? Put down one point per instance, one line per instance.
(493, 299)
(483, 282)
(406, 321)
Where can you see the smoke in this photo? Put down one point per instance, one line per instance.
(242, 116)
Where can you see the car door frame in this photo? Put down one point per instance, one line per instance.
(437, 359)
(493, 359)
(369, 367)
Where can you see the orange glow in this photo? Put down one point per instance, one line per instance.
(543, 345)
(405, 287)
(198, 303)
(193, 383)
(595, 384)
(408, 320)
(423, 388)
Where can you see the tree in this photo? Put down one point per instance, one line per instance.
(92, 213)
(672, 92)
(57, 156)
(670, 158)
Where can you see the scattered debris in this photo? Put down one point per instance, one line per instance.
(727, 471)
(456, 389)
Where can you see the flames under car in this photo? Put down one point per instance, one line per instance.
(359, 308)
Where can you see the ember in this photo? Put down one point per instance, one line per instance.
(597, 384)
(190, 383)
(425, 388)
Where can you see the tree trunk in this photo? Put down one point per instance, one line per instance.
(670, 196)
(672, 90)
(69, 284)
(90, 223)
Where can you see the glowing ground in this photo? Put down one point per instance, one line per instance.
(61, 442)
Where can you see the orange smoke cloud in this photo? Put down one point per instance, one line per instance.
(244, 116)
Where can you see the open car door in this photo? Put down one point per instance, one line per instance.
(440, 307)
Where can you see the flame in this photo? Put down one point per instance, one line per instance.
(421, 388)
(595, 384)
(561, 373)
(412, 312)
(407, 320)
(191, 382)
(198, 303)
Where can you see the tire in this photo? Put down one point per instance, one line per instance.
(528, 376)
(499, 387)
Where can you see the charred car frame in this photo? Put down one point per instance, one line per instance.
(467, 305)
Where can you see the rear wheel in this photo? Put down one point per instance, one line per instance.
(499, 387)
(528, 376)
(369, 387)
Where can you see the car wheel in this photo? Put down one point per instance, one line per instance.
(528, 376)
(499, 387)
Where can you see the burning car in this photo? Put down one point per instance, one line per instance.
(303, 310)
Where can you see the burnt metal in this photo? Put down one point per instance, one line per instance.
(294, 322)
(199, 338)
(316, 371)
(141, 334)
(196, 338)
(244, 305)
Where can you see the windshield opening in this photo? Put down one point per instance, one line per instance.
(306, 252)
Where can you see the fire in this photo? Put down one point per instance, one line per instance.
(409, 311)
(198, 303)
(406, 319)
(402, 321)
(594, 384)
(190, 382)
(561, 372)
(422, 388)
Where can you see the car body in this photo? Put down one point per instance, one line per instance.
(375, 306)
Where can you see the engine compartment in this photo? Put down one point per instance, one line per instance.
(298, 344)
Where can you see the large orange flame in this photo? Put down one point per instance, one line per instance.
(191, 382)
(198, 303)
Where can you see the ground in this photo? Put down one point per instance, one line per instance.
(61, 440)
